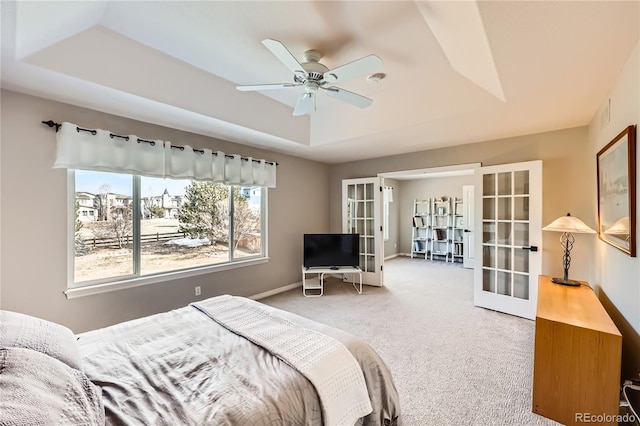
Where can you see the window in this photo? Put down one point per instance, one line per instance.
(139, 226)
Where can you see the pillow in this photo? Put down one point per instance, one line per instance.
(24, 331)
(40, 390)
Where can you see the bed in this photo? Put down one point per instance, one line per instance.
(222, 361)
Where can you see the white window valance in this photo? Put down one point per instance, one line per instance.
(102, 150)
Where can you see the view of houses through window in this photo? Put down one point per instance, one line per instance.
(181, 224)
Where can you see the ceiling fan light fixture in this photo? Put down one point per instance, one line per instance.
(375, 78)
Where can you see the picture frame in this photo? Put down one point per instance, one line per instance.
(616, 172)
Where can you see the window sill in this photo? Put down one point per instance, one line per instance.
(90, 290)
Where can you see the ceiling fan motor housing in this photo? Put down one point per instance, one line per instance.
(314, 69)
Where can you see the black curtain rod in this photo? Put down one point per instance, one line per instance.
(52, 123)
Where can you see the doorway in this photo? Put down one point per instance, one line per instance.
(424, 184)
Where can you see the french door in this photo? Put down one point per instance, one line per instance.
(361, 214)
(508, 235)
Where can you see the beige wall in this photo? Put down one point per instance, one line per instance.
(566, 182)
(33, 213)
(617, 275)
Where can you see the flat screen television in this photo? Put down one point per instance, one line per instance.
(331, 250)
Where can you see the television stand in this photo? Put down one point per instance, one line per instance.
(314, 286)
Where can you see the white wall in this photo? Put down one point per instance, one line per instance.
(617, 274)
(34, 221)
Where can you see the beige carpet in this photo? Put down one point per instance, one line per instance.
(453, 363)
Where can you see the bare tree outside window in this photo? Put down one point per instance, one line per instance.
(121, 225)
(246, 221)
(102, 201)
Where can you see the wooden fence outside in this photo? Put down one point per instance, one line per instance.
(147, 238)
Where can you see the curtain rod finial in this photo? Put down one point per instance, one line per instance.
(52, 123)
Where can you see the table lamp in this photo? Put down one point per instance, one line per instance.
(620, 228)
(568, 225)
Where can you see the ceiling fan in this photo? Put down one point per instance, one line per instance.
(312, 75)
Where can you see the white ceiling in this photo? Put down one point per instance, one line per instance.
(456, 71)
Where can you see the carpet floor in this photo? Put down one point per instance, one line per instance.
(453, 363)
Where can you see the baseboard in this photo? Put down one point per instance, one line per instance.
(393, 256)
(276, 291)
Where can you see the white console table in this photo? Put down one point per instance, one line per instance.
(314, 286)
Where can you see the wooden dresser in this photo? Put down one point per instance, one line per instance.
(578, 350)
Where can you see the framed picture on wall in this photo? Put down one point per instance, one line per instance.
(616, 170)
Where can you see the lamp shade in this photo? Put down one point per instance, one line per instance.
(569, 223)
(620, 227)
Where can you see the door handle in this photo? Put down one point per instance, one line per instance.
(532, 248)
(467, 230)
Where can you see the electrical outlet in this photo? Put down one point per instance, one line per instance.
(198, 291)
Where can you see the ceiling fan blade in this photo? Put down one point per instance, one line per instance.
(282, 53)
(249, 88)
(348, 97)
(306, 104)
(366, 65)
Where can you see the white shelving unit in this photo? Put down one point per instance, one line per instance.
(440, 229)
(421, 225)
(437, 229)
(457, 230)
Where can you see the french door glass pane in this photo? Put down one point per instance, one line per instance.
(520, 234)
(504, 283)
(488, 232)
(489, 256)
(521, 260)
(489, 280)
(504, 208)
(103, 226)
(504, 258)
(504, 233)
(521, 208)
(504, 183)
(521, 286)
(369, 191)
(521, 182)
(489, 208)
(489, 185)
